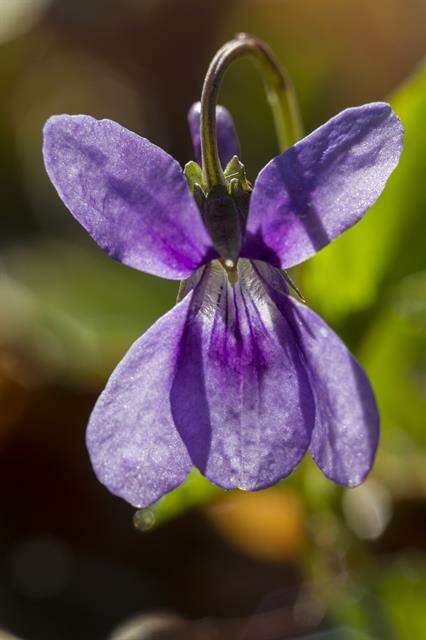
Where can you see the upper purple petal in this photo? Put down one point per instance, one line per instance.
(134, 446)
(307, 196)
(227, 139)
(241, 397)
(346, 432)
(130, 195)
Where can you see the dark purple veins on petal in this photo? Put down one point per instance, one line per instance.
(248, 421)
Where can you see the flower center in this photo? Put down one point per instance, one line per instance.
(224, 209)
(231, 269)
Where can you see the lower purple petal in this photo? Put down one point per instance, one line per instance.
(237, 381)
(346, 433)
(133, 444)
(241, 397)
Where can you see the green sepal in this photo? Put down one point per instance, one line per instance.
(221, 217)
(199, 196)
(236, 177)
(194, 175)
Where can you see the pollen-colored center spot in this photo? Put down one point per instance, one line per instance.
(231, 269)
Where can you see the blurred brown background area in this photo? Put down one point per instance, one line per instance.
(72, 566)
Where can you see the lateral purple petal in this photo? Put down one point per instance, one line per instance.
(129, 194)
(241, 394)
(227, 139)
(346, 433)
(133, 444)
(307, 196)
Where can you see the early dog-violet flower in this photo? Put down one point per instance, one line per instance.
(239, 379)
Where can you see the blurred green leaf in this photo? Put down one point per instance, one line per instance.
(76, 310)
(403, 590)
(348, 608)
(391, 241)
(394, 353)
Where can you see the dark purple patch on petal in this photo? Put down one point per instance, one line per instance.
(241, 398)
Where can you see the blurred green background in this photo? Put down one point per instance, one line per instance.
(305, 559)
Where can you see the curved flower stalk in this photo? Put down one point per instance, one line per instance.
(239, 379)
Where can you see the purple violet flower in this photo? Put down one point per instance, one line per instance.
(239, 379)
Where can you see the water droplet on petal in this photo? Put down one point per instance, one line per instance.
(144, 519)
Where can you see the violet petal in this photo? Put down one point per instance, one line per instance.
(241, 397)
(307, 196)
(129, 194)
(346, 433)
(133, 444)
(227, 139)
